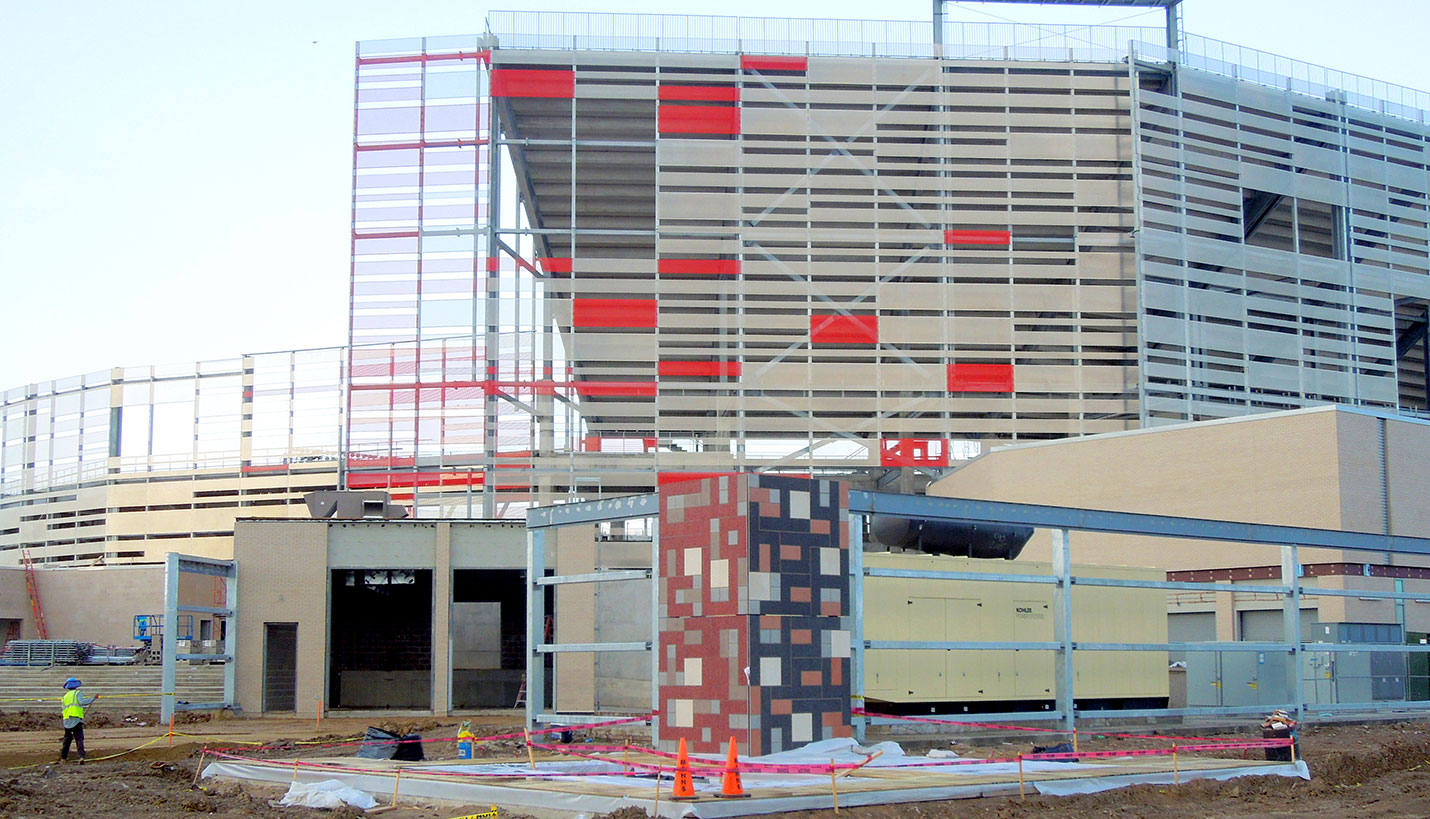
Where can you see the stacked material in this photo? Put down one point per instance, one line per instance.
(44, 652)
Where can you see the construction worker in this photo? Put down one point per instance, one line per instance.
(73, 704)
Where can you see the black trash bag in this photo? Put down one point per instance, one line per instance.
(377, 744)
(1060, 748)
(409, 749)
(380, 744)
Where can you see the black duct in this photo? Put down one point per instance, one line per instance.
(951, 537)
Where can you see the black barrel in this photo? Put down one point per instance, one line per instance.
(951, 537)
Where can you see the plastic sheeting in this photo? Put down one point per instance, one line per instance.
(328, 793)
(1067, 787)
(639, 791)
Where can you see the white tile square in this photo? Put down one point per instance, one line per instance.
(692, 561)
(770, 671)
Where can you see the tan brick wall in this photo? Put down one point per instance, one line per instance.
(282, 578)
(1408, 473)
(1282, 469)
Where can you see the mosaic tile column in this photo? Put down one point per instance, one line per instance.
(754, 594)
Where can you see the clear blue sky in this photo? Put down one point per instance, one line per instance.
(175, 176)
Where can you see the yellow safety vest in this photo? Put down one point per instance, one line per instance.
(70, 702)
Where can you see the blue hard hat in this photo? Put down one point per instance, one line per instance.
(72, 683)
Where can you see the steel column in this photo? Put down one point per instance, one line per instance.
(1291, 611)
(1063, 677)
(169, 641)
(856, 617)
(535, 626)
(655, 633)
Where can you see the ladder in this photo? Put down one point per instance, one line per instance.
(33, 587)
(520, 694)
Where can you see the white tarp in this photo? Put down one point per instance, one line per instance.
(328, 793)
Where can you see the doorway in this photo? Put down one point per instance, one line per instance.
(280, 666)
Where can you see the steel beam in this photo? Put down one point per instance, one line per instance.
(1128, 523)
(1312, 591)
(1176, 585)
(584, 648)
(597, 511)
(1206, 711)
(1368, 648)
(1010, 716)
(977, 576)
(1283, 648)
(595, 577)
(959, 645)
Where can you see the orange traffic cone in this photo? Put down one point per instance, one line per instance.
(730, 784)
(684, 783)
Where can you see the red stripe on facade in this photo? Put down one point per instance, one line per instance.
(613, 312)
(379, 480)
(664, 478)
(913, 452)
(698, 119)
(980, 377)
(977, 237)
(841, 329)
(755, 62)
(707, 93)
(554, 264)
(699, 267)
(533, 82)
(729, 369)
(493, 264)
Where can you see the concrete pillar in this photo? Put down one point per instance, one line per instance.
(442, 620)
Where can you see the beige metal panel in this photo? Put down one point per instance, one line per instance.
(840, 69)
(720, 154)
(575, 691)
(773, 121)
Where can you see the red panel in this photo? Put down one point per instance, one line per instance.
(493, 264)
(832, 329)
(613, 312)
(554, 264)
(708, 93)
(663, 478)
(978, 237)
(699, 267)
(628, 388)
(913, 452)
(698, 119)
(533, 82)
(980, 378)
(377, 480)
(769, 63)
(712, 368)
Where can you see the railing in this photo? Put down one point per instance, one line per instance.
(907, 38)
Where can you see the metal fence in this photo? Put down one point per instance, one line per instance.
(1291, 681)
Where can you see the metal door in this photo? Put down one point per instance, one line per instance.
(280, 666)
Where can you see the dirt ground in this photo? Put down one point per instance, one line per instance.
(1361, 771)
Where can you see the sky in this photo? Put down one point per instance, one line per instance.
(175, 177)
